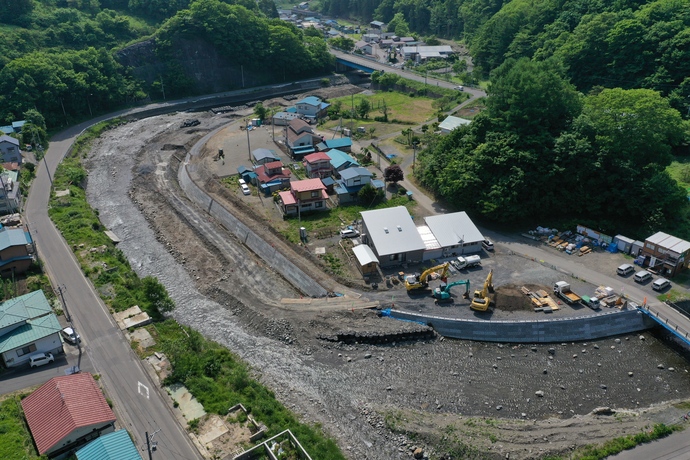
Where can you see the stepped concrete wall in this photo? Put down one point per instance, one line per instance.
(555, 329)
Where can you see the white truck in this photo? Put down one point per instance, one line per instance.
(591, 302)
(469, 261)
(562, 290)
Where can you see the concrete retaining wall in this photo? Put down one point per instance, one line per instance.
(554, 329)
(268, 253)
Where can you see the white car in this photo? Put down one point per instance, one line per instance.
(245, 189)
(70, 335)
(349, 233)
(39, 359)
(459, 88)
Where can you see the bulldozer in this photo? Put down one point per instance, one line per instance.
(416, 281)
(442, 293)
(481, 299)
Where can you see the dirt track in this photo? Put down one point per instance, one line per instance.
(358, 392)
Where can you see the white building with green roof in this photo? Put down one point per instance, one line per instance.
(27, 326)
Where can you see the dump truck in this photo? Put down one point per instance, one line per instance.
(562, 290)
(469, 261)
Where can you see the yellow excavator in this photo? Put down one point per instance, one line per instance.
(481, 300)
(416, 281)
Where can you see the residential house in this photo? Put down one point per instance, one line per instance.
(272, 177)
(7, 129)
(393, 236)
(263, 156)
(351, 182)
(451, 123)
(371, 38)
(364, 47)
(344, 144)
(340, 160)
(666, 254)
(318, 165)
(300, 138)
(311, 107)
(16, 251)
(406, 40)
(304, 196)
(387, 43)
(14, 128)
(117, 445)
(67, 412)
(448, 235)
(377, 26)
(284, 118)
(10, 195)
(27, 326)
(9, 150)
(247, 174)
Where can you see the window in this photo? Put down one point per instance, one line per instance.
(28, 349)
(649, 246)
(314, 194)
(318, 204)
(393, 257)
(357, 180)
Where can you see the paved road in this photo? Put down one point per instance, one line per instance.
(137, 403)
(675, 447)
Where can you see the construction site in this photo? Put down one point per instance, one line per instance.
(383, 388)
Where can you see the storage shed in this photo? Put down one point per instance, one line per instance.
(623, 243)
(366, 259)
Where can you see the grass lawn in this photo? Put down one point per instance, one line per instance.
(680, 171)
(15, 438)
(413, 110)
(327, 223)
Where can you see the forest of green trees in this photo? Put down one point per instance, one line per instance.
(57, 56)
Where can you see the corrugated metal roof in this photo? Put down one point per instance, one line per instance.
(262, 154)
(392, 231)
(13, 237)
(112, 446)
(451, 122)
(428, 237)
(364, 254)
(355, 171)
(306, 185)
(318, 156)
(311, 100)
(33, 330)
(669, 242)
(339, 143)
(452, 229)
(339, 158)
(62, 405)
(27, 306)
(10, 139)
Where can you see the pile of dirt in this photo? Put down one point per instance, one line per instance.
(510, 297)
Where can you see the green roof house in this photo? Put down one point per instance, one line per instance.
(112, 446)
(27, 326)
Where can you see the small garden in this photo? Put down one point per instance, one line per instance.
(15, 438)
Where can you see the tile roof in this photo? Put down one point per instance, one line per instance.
(112, 446)
(306, 185)
(34, 329)
(62, 405)
(13, 237)
(24, 307)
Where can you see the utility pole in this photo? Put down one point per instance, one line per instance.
(148, 446)
(249, 148)
(61, 291)
(162, 86)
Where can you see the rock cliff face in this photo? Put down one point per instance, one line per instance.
(196, 59)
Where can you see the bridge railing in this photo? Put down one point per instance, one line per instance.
(669, 323)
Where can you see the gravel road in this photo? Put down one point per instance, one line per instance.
(223, 291)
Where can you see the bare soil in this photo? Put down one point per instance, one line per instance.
(448, 395)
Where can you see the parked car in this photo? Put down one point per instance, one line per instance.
(242, 182)
(642, 276)
(488, 245)
(625, 269)
(660, 284)
(459, 88)
(70, 335)
(349, 233)
(245, 189)
(39, 359)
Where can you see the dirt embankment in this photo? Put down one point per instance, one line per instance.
(445, 393)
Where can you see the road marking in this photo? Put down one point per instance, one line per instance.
(141, 385)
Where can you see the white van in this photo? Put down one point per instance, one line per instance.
(625, 269)
(660, 284)
(642, 276)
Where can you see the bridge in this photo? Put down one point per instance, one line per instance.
(343, 61)
(670, 319)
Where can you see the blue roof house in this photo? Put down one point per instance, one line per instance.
(262, 156)
(351, 182)
(341, 160)
(112, 446)
(311, 107)
(344, 144)
(27, 326)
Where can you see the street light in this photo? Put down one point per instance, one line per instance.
(89, 103)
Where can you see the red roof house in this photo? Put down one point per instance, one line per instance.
(67, 412)
(304, 196)
(318, 165)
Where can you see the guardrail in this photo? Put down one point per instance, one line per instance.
(668, 323)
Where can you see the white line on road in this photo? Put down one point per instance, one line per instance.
(141, 385)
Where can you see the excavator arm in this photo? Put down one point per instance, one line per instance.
(481, 300)
(444, 293)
